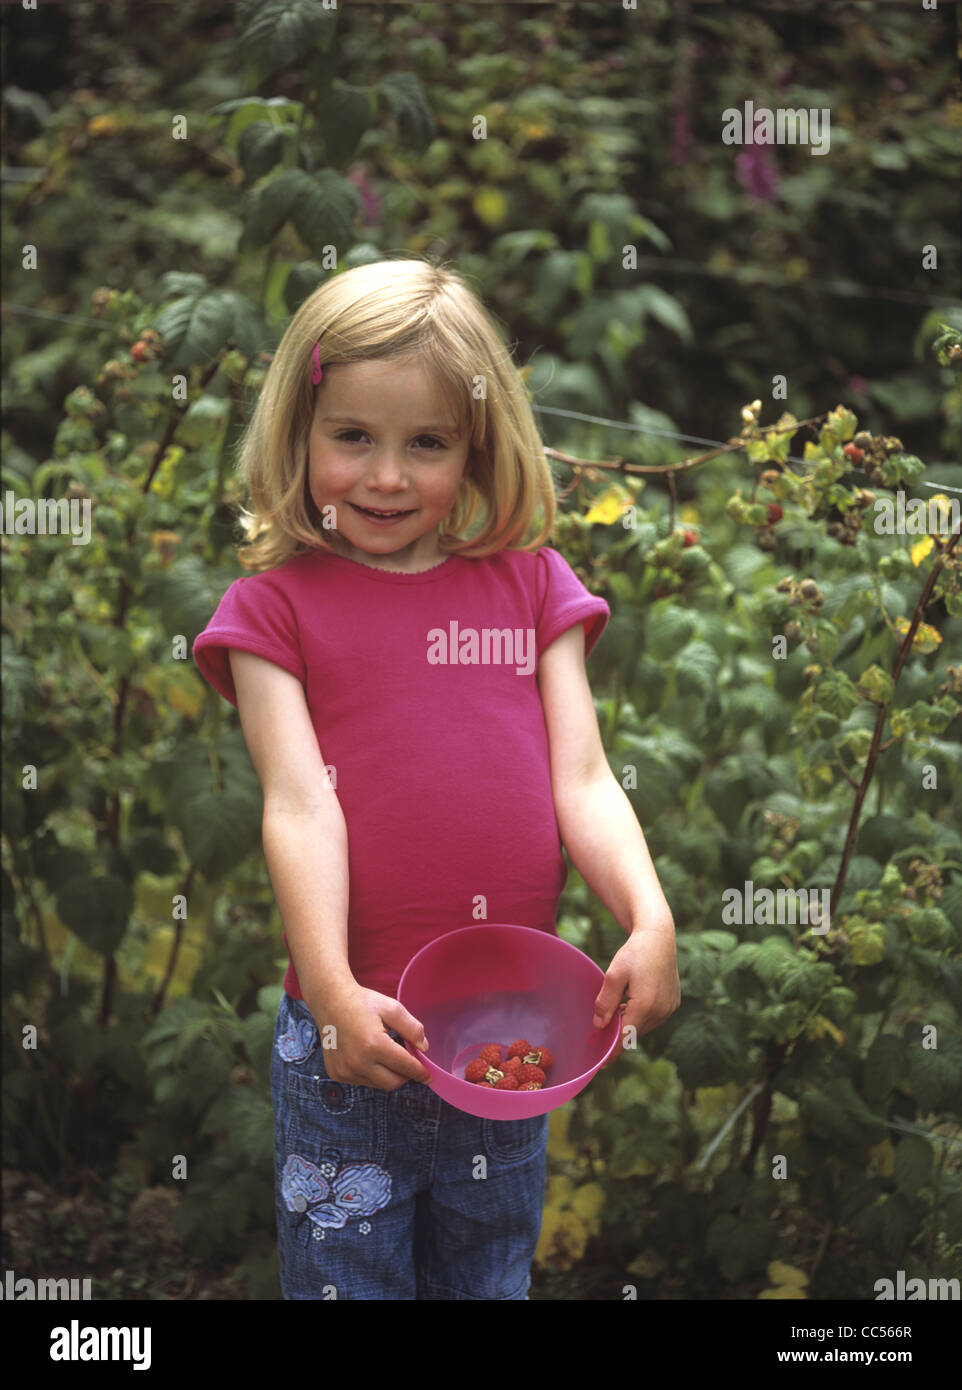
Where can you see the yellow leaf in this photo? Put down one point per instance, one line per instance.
(491, 206)
(882, 1158)
(943, 503)
(102, 125)
(820, 1025)
(186, 694)
(780, 1273)
(920, 549)
(647, 1265)
(558, 1145)
(588, 1202)
(926, 638)
(689, 514)
(559, 1191)
(563, 1240)
(608, 507)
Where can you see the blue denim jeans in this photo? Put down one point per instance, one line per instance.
(396, 1194)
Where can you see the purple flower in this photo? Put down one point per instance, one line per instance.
(372, 206)
(681, 137)
(361, 1189)
(757, 173)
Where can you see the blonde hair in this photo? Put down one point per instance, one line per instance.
(398, 311)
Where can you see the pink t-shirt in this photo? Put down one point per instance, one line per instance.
(423, 694)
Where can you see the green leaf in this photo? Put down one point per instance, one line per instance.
(216, 807)
(260, 147)
(934, 1076)
(667, 630)
(836, 1113)
(668, 310)
(344, 116)
(704, 1049)
(196, 326)
(97, 910)
(913, 1164)
(740, 1245)
(696, 670)
(834, 691)
(275, 33)
(405, 96)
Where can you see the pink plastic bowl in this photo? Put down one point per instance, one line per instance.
(496, 983)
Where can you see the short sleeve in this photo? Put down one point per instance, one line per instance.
(255, 615)
(565, 601)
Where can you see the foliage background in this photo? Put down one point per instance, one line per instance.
(603, 129)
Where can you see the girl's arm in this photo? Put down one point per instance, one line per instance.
(306, 848)
(304, 833)
(601, 833)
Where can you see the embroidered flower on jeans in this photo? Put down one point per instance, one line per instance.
(328, 1169)
(364, 1227)
(362, 1189)
(303, 1185)
(359, 1189)
(298, 1044)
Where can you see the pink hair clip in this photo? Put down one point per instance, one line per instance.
(317, 371)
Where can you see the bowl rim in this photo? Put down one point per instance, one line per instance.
(438, 1070)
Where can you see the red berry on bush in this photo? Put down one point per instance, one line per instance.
(689, 539)
(853, 453)
(775, 513)
(140, 352)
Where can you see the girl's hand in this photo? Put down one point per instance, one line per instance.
(646, 969)
(365, 1055)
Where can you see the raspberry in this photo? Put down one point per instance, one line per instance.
(507, 1083)
(511, 1065)
(853, 453)
(486, 1083)
(491, 1053)
(475, 1070)
(775, 513)
(530, 1086)
(689, 539)
(529, 1072)
(519, 1048)
(541, 1057)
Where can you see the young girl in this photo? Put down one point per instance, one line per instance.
(409, 674)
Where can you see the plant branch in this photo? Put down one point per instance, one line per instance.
(883, 710)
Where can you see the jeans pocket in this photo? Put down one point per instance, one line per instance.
(511, 1141)
(335, 1145)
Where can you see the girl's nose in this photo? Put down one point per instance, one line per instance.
(388, 471)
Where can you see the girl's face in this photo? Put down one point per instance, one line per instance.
(383, 442)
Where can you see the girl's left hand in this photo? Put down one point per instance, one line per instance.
(646, 969)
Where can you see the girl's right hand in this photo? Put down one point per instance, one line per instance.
(364, 1053)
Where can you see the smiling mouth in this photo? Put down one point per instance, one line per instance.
(372, 511)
